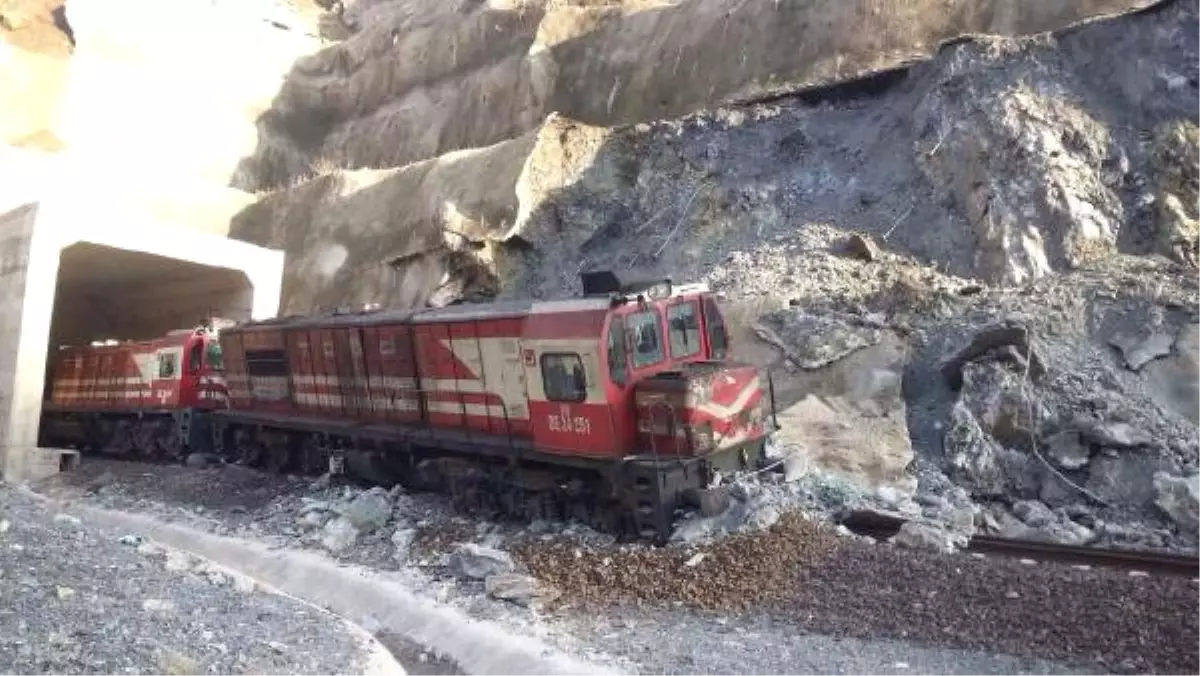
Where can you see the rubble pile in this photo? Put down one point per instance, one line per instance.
(732, 573)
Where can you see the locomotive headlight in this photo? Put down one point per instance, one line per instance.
(702, 438)
(659, 291)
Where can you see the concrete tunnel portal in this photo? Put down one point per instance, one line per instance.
(62, 283)
(104, 293)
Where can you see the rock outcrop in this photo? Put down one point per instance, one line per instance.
(378, 99)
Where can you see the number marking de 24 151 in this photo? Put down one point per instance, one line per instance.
(563, 421)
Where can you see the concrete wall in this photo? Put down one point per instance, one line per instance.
(25, 257)
(152, 277)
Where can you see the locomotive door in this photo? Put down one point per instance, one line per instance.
(359, 374)
(351, 373)
(568, 413)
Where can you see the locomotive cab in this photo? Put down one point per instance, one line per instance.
(202, 383)
(667, 357)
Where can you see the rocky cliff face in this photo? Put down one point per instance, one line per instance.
(380, 98)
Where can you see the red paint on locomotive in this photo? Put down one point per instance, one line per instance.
(179, 370)
(561, 375)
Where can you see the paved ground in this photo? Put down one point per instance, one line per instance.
(78, 599)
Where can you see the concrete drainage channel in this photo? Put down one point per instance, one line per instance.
(359, 595)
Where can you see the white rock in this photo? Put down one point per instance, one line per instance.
(522, 590)
(1115, 434)
(312, 520)
(1179, 498)
(158, 605)
(1033, 513)
(694, 560)
(178, 561)
(338, 535)
(889, 496)
(915, 535)
(402, 540)
(1066, 449)
(473, 561)
(763, 517)
(368, 511)
(150, 549)
(244, 584)
(67, 519)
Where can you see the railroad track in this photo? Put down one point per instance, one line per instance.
(1148, 562)
(882, 526)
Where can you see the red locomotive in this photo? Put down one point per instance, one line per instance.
(135, 397)
(611, 408)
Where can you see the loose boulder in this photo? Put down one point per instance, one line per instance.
(338, 535)
(1112, 434)
(914, 535)
(862, 247)
(476, 562)
(1179, 498)
(1139, 351)
(1008, 334)
(369, 510)
(522, 590)
(1066, 449)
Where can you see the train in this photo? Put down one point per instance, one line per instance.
(616, 407)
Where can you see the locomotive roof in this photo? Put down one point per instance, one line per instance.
(504, 309)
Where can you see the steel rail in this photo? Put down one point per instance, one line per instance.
(884, 526)
(1147, 561)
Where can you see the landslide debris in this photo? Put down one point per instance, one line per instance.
(734, 573)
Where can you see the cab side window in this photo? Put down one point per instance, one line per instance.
(683, 329)
(718, 339)
(646, 337)
(167, 364)
(563, 377)
(618, 368)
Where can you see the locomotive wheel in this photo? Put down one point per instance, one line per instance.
(312, 458)
(278, 458)
(167, 442)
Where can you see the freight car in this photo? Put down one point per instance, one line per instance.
(612, 408)
(145, 399)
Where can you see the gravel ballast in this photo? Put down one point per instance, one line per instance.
(803, 574)
(78, 599)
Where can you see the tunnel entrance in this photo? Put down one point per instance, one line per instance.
(105, 293)
(63, 281)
